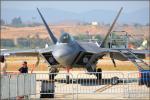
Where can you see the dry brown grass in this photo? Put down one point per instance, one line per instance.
(13, 33)
(106, 64)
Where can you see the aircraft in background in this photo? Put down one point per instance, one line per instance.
(68, 52)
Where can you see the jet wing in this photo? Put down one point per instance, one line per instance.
(141, 51)
(94, 48)
(93, 52)
(28, 52)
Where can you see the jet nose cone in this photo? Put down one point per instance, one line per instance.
(59, 53)
(63, 56)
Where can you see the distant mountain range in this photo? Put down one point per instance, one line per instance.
(140, 16)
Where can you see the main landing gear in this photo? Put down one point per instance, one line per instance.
(67, 76)
(98, 74)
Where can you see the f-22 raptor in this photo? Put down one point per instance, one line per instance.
(68, 52)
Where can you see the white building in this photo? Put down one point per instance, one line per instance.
(94, 23)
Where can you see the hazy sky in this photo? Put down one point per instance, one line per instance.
(76, 6)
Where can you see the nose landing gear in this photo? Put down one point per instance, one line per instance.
(52, 72)
(48, 86)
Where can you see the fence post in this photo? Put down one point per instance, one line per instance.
(77, 86)
(73, 90)
(128, 86)
(9, 76)
(17, 84)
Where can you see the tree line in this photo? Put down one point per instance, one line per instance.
(24, 43)
(17, 22)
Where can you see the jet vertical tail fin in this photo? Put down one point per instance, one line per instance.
(54, 39)
(104, 42)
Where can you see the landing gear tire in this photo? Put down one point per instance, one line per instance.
(67, 79)
(47, 89)
(99, 74)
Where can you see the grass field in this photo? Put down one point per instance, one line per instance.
(14, 63)
(24, 32)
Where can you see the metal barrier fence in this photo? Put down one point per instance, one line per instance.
(110, 84)
(82, 86)
(54, 86)
(138, 85)
(17, 85)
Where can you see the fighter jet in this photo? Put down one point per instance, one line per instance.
(68, 52)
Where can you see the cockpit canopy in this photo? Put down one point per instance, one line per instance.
(65, 38)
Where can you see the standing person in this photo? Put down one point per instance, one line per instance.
(24, 68)
(3, 65)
